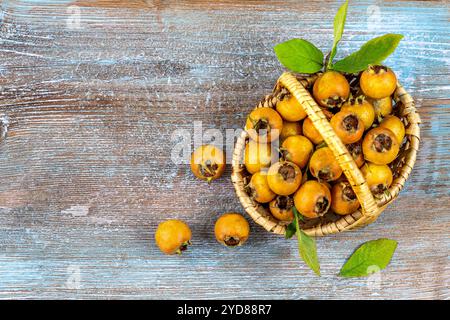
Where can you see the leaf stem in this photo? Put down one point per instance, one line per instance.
(328, 62)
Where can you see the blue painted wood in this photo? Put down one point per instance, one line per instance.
(85, 169)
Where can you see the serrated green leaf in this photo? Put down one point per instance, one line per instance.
(371, 256)
(299, 56)
(373, 51)
(307, 247)
(338, 25)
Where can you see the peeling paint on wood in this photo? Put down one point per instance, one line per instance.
(91, 101)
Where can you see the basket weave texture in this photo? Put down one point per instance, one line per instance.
(371, 208)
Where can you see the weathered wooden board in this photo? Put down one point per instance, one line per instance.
(90, 102)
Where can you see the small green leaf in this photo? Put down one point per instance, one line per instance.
(299, 56)
(372, 52)
(307, 247)
(308, 251)
(370, 257)
(290, 230)
(339, 23)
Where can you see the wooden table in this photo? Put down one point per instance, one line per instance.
(90, 94)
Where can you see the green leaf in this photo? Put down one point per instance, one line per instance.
(307, 247)
(299, 56)
(339, 23)
(308, 251)
(372, 52)
(290, 230)
(370, 257)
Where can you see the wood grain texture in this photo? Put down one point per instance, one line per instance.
(85, 167)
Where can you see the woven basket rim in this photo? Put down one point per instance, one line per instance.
(406, 160)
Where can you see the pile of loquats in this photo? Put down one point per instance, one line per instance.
(302, 173)
(306, 176)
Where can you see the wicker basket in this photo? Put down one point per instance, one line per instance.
(371, 208)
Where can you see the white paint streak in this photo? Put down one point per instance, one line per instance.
(4, 124)
(77, 211)
(101, 220)
(24, 53)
